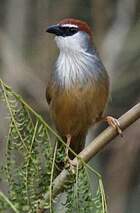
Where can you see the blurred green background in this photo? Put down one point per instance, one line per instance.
(27, 54)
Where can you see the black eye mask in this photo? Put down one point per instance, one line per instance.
(68, 31)
(62, 30)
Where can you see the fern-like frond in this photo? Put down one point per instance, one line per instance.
(32, 164)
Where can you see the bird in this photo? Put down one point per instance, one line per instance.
(78, 89)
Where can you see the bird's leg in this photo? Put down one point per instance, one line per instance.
(68, 161)
(68, 144)
(114, 123)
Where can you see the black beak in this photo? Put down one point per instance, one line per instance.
(55, 29)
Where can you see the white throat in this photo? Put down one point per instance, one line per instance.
(75, 63)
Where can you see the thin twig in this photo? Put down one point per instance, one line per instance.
(3, 196)
(51, 179)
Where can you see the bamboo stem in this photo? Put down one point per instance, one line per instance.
(95, 146)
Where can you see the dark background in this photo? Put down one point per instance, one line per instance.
(27, 55)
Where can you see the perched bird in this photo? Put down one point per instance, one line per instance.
(78, 89)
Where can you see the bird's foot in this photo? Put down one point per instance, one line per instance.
(114, 123)
(69, 165)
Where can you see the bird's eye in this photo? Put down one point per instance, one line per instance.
(73, 30)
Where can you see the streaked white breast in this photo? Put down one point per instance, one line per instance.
(77, 62)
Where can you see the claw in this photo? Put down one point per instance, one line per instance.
(115, 124)
(69, 165)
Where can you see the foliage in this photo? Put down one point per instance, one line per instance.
(32, 164)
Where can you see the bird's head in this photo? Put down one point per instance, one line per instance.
(72, 34)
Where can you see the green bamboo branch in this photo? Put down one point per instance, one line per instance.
(51, 179)
(95, 147)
